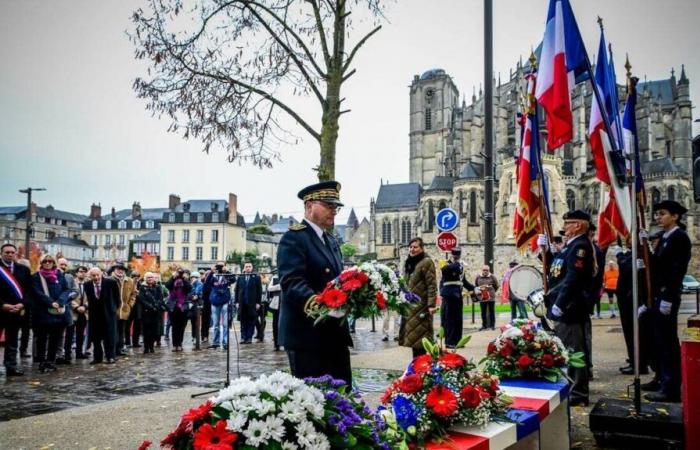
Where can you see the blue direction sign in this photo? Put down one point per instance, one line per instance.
(446, 219)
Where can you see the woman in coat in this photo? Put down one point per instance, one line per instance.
(422, 281)
(52, 312)
(179, 287)
(152, 305)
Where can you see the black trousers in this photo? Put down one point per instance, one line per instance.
(275, 326)
(77, 331)
(315, 363)
(573, 336)
(26, 329)
(11, 342)
(103, 340)
(668, 352)
(150, 329)
(133, 324)
(178, 322)
(48, 339)
(122, 333)
(452, 305)
(488, 314)
(206, 320)
(261, 322)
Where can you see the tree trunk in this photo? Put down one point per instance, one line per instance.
(329, 128)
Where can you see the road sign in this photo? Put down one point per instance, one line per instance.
(446, 219)
(446, 241)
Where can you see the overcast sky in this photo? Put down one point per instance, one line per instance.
(70, 122)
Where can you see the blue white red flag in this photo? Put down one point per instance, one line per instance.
(562, 61)
(7, 276)
(629, 135)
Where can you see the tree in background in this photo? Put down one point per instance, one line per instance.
(238, 258)
(348, 250)
(35, 254)
(260, 229)
(227, 72)
(145, 263)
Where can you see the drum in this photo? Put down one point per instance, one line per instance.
(523, 281)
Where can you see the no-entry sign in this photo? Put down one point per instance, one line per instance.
(446, 241)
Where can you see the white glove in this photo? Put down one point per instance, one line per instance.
(643, 234)
(542, 241)
(556, 311)
(641, 310)
(640, 264)
(665, 307)
(337, 313)
(616, 250)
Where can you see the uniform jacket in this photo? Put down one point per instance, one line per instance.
(419, 322)
(669, 265)
(305, 264)
(58, 292)
(8, 296)
(571, 280)
(249, 292)
(127, 296)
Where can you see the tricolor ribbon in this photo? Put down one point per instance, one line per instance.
(6, 275)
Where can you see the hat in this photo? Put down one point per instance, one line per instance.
(456, 251)
(118, 265)
(325, 191)
(671, 206)
(577, 214)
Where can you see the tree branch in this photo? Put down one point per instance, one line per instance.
(321, 31)
(357, 47)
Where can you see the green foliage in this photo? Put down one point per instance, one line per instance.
(367, 257)
(238, 258)
(348, 250)
(260, 229)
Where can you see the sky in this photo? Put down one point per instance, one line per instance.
(70, 121)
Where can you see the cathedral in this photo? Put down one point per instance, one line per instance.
(446, 165)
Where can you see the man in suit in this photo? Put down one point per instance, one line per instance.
(103, 299)
(669, 265)
(307, 259)
(248, 294)
(15, 291)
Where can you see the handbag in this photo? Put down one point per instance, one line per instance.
(53, 311)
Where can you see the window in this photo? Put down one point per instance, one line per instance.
(428, 119)
(405, 230)
(185, 253)
(108, 224)
(94, 224)
(671, 193)
(215, 217)
(462, 205)
(150, 224)
(171, 235)
(122, 239)
(198, 253)
(121, 225)
(431, 216)
(200, 217)
(171, 217)
(596, 198)
(185, 235)
(108, 239)
(136, 224)
(472, 207)
(200, 236)
(214, 253)
(171, 253)
(386, 232)
(214, 236)
(570, 199)
(186, 217)
(94, 239)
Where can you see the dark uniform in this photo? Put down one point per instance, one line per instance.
(306, 263)
(571, 274)
(623, 293)
(15, 287)
(452, 306)
(669, 265)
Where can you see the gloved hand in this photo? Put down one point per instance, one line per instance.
(556, 311)
(641, 310)
(640, 264)
(337, 313)
(665, 307)
(643, 234)
(542, 241)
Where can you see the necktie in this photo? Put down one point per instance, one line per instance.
(326, 240)
(97, 290)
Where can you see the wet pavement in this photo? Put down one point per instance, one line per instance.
(81, 384)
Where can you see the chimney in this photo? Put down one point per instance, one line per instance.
(173, 201)
(114, 212)
(95, 211)
(136, 210)
(232, 209)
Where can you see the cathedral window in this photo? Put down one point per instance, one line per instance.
(431, 216)
(472, 207)
(428, 119)
(405, 230)
(386, 232)
(671, 193)
(442, 205)
(462, 205)
(596, 198)
(570, 199)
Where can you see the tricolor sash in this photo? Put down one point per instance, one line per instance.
(6, 275)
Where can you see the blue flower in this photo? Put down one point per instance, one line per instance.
(405, 411)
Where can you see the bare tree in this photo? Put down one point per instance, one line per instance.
(229, 79)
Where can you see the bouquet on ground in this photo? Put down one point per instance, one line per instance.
(525, 350)
(279, 411)
(440, 389)
(362, 291)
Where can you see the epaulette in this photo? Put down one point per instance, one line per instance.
(297, 227)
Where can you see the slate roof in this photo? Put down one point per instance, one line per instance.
(197, 206)
(441, 183)
(60, 240)
(282, 224)
(472, 170)
(50, 212)
(398, 195)
(662, 88)
(12, 209)
(659, 166)
(151, 236)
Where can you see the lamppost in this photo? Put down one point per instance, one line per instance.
(28, 232)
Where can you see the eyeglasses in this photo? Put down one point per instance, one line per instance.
(48, 261)
(330, 206)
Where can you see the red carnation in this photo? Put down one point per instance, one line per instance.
(352, 285)
(451, 360)
(442, 401)
(422, 364)
(348, 274)
(525, 361)
(145, 444)
(547, 360)
(214, 438)
(381, 301)
(386, 396)
(410, 384)
(506, 349)
(491, 348)
(470, 396)
(199, 413)
(484, 394)
(333, 298)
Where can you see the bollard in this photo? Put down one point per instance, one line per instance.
(197, 318)
(473, 311)
(373, 328)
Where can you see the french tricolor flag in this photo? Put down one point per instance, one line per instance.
(562, 60)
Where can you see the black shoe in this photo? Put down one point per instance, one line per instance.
(213, 346)
(95, 361)
(50, 367)
(630, 371)
(627, 367)
(385, 338)
(87, 354)
(225, 347)
(277, 348)
(25, 355)
(662, 397)
(651, 386)
(81, 356)
(63, 361)
(121, 353)
(136, 346)
(111, 361)
(260, 340)
(13, 372)
(582, 401)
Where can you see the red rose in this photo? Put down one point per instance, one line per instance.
(361, 277)
(422, 364)
(381, 301)
(559, 360)
(351, 285)
(506, 349)
(214, 438)
(525, 361)
(491, 348)
(547, 360)
(442, 401)
(470, 396)
(484, 394)
(410, 384)
(333, 298)
(451, 360)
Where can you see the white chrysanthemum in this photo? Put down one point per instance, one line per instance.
(265, 407)
(237, 422)
(306, 434)
(292, 412)
(239, 386)
(257, 433)
(320, 442)
(275, 428)
(511, 332)
(286, 445)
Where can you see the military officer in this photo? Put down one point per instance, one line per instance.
(669, 265)
(571, 275)
(451, 292)
(307, 259)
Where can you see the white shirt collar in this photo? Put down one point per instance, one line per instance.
(317, 229)
(573, 239)
(669, 232)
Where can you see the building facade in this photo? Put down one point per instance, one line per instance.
(47, 224)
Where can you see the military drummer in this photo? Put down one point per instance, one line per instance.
(307, 259)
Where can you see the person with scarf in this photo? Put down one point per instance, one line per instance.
(51, 311)
(150, 299)
(422, 281)
(179, 287)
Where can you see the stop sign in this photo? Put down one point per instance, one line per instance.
(446, 241)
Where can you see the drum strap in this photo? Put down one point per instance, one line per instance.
(452, 283)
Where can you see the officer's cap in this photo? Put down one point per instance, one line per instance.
(325, 191)
(671, 206)
(577, 214)
(456, 252)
